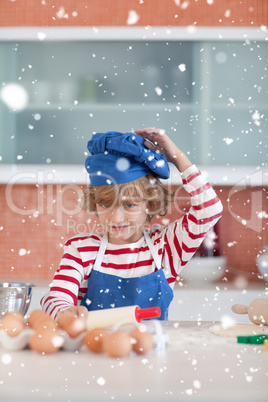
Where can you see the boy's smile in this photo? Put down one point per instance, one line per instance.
(119, 228)
(124, 223)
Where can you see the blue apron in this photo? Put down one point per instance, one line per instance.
(107, 291)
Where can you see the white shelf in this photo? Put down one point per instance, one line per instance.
(98, 105)
(132, 33)
(109, 106)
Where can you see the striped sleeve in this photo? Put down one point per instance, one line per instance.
(183, 237)
(67, 281)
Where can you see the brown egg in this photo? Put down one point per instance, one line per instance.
(117, 344)
(36, 317)
(143, 340)
(73, 325)
(94, 340)
(13, 324)
(47, 323)
(46, 341)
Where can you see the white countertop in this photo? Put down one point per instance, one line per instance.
(196, 365)
(209, 302)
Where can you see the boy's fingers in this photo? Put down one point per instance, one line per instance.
(82, 311)
(149, 130)
(148, 144)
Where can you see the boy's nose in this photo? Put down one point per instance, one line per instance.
(118, 214)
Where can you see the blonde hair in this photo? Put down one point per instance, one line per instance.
(147, 188)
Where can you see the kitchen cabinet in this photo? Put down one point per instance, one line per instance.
(210, 95)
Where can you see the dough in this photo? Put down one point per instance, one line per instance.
(238, 330)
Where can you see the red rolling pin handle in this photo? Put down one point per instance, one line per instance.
(144, 313)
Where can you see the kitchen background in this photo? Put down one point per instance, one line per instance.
(198, 69)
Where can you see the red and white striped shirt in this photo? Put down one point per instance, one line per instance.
(175, 243)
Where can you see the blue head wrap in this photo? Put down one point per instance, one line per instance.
(120, 158)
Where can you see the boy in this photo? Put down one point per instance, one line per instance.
(129, 265)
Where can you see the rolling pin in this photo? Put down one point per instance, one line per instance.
(257, 311)
(108, 317)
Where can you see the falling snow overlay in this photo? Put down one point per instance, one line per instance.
(197, 68)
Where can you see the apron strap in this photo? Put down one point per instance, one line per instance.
(104, 242)
(156, 256)
(101, 252)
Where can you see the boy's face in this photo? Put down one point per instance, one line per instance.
(124, 223)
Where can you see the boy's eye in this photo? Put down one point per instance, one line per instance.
(105, 206)
(129, 205)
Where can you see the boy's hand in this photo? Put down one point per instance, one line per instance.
(73, 320)
(161, 142)
(76, 311)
